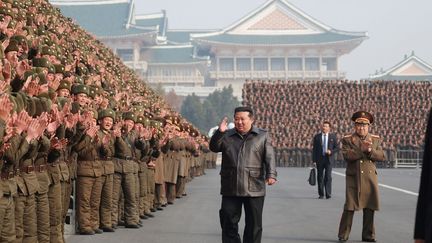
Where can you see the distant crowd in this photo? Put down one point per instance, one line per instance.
(293, 111)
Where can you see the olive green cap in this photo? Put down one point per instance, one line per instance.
(64, 84)
(41, 62)
(80, 88)
(59, 68)
(107, 113)
(13, 46)
(129, 116)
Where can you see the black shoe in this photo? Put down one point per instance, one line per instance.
(321, 197)
(86, 232)
(140, 224)
(184, 194)
(171, 203)
(121, 223)
(114, 226)
(178, 197)
(163, 205)
(341, 240)
(98, 231)
(108, 229)
(369, 240)
(149, 215)
(132, 226)
(328, 197)
(152, 210)
(143, 216)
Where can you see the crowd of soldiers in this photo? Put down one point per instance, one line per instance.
(72, 113)
(400, 108)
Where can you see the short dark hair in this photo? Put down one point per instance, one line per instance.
(327, 122)
(244, 109)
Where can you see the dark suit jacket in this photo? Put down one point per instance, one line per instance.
(423, 222)
(332, 145)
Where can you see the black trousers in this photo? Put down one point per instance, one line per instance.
(230, 214)
(324, 169)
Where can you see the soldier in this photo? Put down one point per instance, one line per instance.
(124, 169)
(106, 154)
(89, 181)
(361, 150)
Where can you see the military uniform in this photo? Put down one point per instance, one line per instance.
(361, 154)
(28, 185)
(124, 177)
(106, 154)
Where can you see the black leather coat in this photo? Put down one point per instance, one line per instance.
(246, 161)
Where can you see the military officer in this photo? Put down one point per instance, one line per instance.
(361, 150)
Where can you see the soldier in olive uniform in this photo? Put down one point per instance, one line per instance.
(361, 150)
(106, 154)
(89, 181)
(124, 174)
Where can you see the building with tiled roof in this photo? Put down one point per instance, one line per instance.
(276, 41)
(410, 68)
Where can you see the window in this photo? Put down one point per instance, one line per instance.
(312, 64)
(329, 64)
(226, 64)
(125, 54)
(295, 64)
(260, 64)
(278, 64)
(243, 64)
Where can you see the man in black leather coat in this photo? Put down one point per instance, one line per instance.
(248, 163)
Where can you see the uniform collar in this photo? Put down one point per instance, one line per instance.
(234, 131)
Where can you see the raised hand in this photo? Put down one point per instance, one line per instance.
(22, 121)
(223, 125)
(5, 108)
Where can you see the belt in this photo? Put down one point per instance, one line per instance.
(107, 158)
(125, 157)
(40, 168)
(5, 175)
(27, 169)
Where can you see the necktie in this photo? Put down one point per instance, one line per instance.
(325, 144)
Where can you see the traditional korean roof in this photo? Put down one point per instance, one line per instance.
(410, 68)
(278, 22)
(171, 54)
(182, 36)
(105, 18)
(157, 20)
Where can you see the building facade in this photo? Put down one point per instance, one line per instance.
(410, 68)
(276, 41)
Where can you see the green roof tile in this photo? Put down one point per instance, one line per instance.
(103, 20)
(327, 37)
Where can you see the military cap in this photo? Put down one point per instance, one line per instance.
(80, 89)
(106, 113)
(141, 119)
(243, 109)
(362, 117)
(12, 24)
(42, 78)
(51, 69)
(59, 68)
(129, 116)
(20, 39)
(13, 46)
(41, 62)
(7, 11)
(64, 84)
(46, 50)
(92, 92)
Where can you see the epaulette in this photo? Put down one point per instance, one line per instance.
(374, 136)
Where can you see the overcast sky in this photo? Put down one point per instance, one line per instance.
(395, 27)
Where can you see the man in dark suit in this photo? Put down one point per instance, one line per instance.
(325, 145)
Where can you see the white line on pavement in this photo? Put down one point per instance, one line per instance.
(384, 185)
